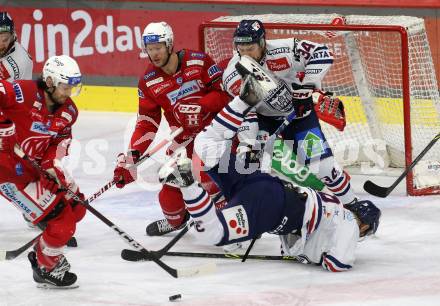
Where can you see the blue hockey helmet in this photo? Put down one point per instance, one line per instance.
(6, 23)
(250, 31)
(367, 213)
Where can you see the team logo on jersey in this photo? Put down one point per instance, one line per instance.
(278, 51)
(195, 63)
(4, 73)
(18, 93)
(179, 81)
(278, 64)
(237, 222)
(213, 70)
(149, 75)
(187, 88)
(154, 82)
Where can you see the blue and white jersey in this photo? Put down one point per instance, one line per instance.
(16, 64)
(293, 61)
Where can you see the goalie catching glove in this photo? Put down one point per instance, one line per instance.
(329, 109)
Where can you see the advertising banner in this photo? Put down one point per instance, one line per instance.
(105, 42)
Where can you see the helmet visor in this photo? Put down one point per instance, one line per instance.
(73, 86)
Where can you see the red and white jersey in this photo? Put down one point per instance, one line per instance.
(16, 64)
(39, 132)
(198, 80)
(294, 61)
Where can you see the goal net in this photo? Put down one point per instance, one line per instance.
(383, 72)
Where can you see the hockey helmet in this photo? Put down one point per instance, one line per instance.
(367, 213)
(157, 32)
(63, 69)
(6, 23)
(250, 31)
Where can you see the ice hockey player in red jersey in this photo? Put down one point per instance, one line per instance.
(186, 86)
(37, 116)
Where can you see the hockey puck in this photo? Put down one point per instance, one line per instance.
(175, 297)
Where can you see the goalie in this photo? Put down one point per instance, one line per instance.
(290, 71)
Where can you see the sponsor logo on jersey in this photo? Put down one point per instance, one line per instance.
(213, 70)
(191, 71)
(140, 94)
(313, 71)
(14, 67)
(187, 88)
(4, 73)
(320, 54)
(278, 51)
(158, 89)
(18, 93)
(235, 88)
(149, 75)
(195, 62)
(153, 82)
(230, 77)
(197, 54)
(179, 81)
(19, 169)
(237, 222)
(9, 190)
(278, 64)
(72, 109)
(40, 128)
(67, 116)
(189, 109)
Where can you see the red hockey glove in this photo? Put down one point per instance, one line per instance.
(190, 115)
(125, 171)
(8, 138)
(329, 109)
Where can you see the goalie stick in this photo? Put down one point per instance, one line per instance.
(191, 271)
(383, 192)
(132, 255)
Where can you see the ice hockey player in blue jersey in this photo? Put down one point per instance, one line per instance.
(314, 226)
(299, 66)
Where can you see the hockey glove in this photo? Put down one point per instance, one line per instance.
(329, 109)
(125, 171)
(302, 99)
(8, 137)
(177, 172)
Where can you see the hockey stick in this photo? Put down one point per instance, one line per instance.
(131, 255)
(126, 253)
(9, 255)
(191, 271)
(383, 192)
(146, 156)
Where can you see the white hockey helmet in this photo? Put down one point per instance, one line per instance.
(157, 32)
(63, 69)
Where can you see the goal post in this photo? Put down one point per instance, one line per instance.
(383, 72)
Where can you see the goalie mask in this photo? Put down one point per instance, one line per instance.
(276, 94)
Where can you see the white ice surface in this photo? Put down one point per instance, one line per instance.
(400, 266)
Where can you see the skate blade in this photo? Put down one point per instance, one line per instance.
(50, 286)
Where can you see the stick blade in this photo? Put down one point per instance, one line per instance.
(376, 190)
(132, 255)
(205, 269)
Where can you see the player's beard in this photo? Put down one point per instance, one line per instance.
(6, 49)
(58, 100)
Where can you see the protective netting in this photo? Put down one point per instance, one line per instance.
(367, 77)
